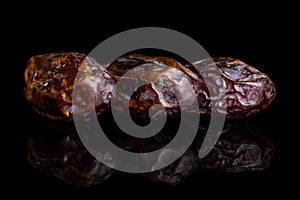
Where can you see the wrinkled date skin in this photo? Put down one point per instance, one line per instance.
(50, 80)
(247, 91)
(56, 149)
(241, 147)
(162, 78)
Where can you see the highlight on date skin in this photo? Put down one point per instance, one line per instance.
(50, 80)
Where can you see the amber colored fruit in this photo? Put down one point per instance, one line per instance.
(50, 80)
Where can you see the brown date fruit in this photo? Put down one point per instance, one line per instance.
(247, 91)
(49, 80)
(158, 75)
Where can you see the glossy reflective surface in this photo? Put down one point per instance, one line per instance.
(55, 148)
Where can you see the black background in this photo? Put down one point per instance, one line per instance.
(259, 35)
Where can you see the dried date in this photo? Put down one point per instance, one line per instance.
(247, 91)
(50, 80)
(158, 74)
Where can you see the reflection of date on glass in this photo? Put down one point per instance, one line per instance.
(56, 149)
(241, 147)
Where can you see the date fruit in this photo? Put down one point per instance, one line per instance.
(247, 91)
(163, 77)
(50, 80)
